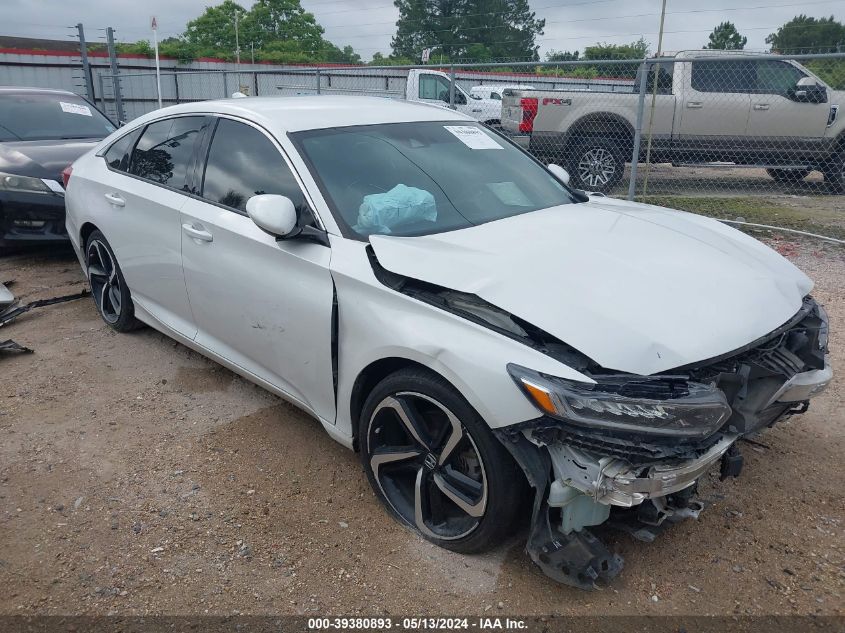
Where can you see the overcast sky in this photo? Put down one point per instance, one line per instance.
(368, 24)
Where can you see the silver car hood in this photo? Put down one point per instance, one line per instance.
(637, 288)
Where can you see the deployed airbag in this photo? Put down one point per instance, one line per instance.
(380, 212)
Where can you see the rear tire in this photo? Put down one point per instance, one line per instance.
(788, 176)
(436, 466)
(108, 287)
(596, 164)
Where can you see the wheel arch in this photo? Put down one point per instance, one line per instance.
(85, 232)
(602, 124)
(369, 377)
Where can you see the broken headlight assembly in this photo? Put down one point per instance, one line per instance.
(631, 404)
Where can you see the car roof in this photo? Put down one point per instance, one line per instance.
(34, 90)
(294, 114)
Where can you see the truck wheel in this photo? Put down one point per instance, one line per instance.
(789, 176)
(834, 173)
(596, 165)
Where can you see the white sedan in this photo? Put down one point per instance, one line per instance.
(447, 306)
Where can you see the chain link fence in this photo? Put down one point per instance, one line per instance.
(745, 136)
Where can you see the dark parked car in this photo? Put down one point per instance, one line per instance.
(42, 131)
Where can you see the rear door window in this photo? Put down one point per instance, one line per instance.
(242, 163)
(729, 76)
(164, 153)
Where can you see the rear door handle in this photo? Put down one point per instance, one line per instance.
(761, 106)
(694, 104)
(115, 199)
(197, 233)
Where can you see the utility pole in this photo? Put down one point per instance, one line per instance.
(237, 41)
(653, 99)
(86, 68)
(115, 71)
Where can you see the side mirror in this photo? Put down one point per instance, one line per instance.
(808, 91)
(273, 214)
(559, 172)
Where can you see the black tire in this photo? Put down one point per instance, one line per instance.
(475, 468)
(595, 164)
(788, 176)
(108, 287)
(834, 173)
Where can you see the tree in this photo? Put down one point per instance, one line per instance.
(458, 28)
(807, 35)
(726, 37)
(283, 20)
(214, 30)
(634, 50)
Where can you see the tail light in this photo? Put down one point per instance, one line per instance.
(66, 172)
(529, 111)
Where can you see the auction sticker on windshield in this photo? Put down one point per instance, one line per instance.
(473, 137)
(75, 108)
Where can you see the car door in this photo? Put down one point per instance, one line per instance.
(261, 303)
(142, 194)
(777, 121)
(716, 100)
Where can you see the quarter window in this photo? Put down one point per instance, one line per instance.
(242, 162)
(118, 155)
(165, 151)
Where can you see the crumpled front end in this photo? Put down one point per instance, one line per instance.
(630, 450)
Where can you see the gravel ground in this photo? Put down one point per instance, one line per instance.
(136, 477)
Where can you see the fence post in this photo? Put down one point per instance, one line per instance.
(176, 86)
(638, 131)
(225, 85)
(115, 71)
(318, 81)
(86, 67)
(255, 83)
(102, 91)
(451, 86)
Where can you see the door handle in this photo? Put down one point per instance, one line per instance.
(761, 106)
(115, 199)
(197, 233)
(695, 104)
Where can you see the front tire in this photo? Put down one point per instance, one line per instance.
(108, 287)
(435, 465)
(834, 173)
(596, 164)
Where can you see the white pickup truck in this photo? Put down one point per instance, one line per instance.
(432, 86)
(769, 113)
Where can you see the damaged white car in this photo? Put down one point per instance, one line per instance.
(447, 306)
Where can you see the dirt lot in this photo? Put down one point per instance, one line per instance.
(136, 477)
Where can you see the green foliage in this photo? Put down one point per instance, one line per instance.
(141, 47)
(634, 50)
(726, 37)
(381, 60)
(803, 34)
(831, 71)
(215, 28)
(575, 72)
(492, 29)
(561, 56)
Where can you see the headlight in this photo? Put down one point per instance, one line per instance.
(622, 404)
(12, 182)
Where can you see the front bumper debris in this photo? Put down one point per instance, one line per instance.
(586, 477)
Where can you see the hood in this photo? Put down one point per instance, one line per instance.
(42, 159)
(637, 288)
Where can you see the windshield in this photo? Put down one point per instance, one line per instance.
(425, 177)
(36, 117)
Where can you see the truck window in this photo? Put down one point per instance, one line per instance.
(664, 79)
(731, 76)
(433, 87)
(776, 77)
